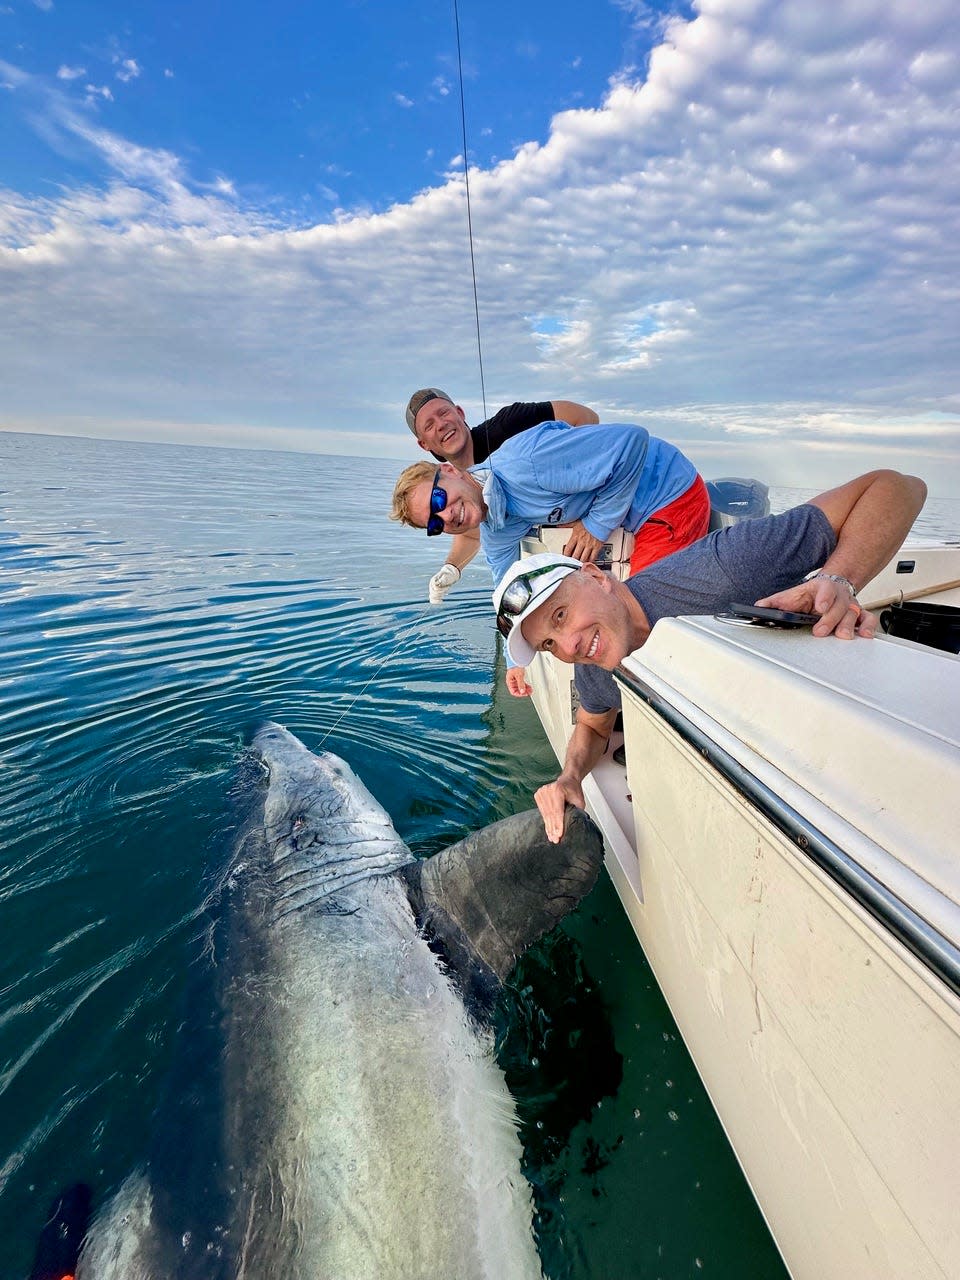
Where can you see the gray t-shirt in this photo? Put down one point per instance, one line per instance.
(736, 565)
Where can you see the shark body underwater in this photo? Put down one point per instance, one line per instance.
(363, 1127)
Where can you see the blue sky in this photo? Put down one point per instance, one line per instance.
(308, 108)
(735, 221)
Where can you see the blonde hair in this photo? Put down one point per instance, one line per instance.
(407, 481)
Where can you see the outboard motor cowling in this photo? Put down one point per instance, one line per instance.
(733, 499)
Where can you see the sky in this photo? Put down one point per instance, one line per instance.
(736, 222)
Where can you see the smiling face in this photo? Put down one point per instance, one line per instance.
(589, 618)
(442, 429)
(465, 507)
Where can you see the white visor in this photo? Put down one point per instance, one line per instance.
(545, 572)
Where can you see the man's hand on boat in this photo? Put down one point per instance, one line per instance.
(581, 544)
(841, 614)
(870, 515)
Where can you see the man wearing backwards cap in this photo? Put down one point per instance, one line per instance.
(830, 546)
(441, 429)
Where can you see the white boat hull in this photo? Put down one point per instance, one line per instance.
(819, 1002)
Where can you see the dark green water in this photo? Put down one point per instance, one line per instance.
(155, 604)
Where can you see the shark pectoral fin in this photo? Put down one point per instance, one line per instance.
(489, 897)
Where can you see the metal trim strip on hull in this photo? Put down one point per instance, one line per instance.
(928, 945)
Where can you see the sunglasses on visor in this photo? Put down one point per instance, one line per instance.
(517, 596)
(438, 500)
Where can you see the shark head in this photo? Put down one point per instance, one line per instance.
(317, 813)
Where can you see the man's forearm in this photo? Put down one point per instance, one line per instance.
(577, 415)
(870, 516)
(584, 749)
(463, 548)
(882, 507)
(587, 744)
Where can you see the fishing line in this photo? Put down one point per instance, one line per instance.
(360, 692)
(483, 391)
(466, 180)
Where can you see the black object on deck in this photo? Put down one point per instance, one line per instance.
(936, 625)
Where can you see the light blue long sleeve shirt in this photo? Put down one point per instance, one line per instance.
(609, 475)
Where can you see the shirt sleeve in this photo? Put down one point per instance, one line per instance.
(509, 421)
(604, 460)
(597, 689)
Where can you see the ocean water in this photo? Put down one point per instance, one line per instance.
(156, 603)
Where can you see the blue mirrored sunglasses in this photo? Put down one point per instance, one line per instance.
(438, 500)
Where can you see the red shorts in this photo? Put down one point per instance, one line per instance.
(676, 525)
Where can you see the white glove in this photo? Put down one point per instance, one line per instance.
(442, 581)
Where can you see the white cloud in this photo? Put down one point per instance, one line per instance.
(934, 69)
(640, 13)
(403, 100)
(127, 69)
(754, 249)
(71, 73)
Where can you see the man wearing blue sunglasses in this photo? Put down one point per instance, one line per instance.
(591, 481)
(440, 428)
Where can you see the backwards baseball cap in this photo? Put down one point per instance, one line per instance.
(419, 399)
(523, 588)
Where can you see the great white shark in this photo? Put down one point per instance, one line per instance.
(364, 1130)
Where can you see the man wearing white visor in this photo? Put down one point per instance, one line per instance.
(812, 559)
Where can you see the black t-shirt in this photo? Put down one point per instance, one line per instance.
(509, 421)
